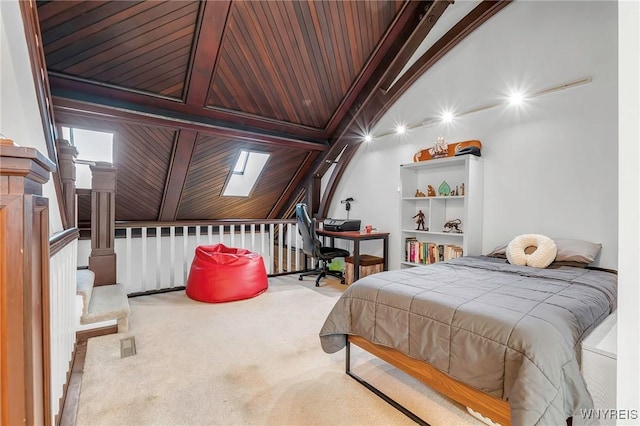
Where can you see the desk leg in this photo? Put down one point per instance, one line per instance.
(385, 253)
(356, 260)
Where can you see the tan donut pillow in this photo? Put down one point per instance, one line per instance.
(544, 253)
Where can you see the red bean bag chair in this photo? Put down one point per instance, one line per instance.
(224, 274)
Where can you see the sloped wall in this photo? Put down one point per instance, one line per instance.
(19, 113)
(550, 165)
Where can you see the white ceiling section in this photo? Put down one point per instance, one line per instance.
(452, 15)
(510, 51)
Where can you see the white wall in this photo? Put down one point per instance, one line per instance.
(569, 139)
(550, 166)
(628, 390)
(19, 112)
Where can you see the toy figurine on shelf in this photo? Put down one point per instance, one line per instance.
(419, 193)
(444, 189)
(431, 192)
(453, 226)
(419, 217)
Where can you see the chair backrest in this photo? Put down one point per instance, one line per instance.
(307, 229)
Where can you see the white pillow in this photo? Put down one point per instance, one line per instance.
(544, 254)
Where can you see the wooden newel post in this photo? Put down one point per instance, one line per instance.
(103, 214)
(67, 154)
(24, 286)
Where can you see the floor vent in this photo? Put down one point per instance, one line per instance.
(127, 347)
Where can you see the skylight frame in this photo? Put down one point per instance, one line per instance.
(246, 172)
(83, 162)
(241, 162)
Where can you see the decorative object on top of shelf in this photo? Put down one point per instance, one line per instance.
(462, 188)
(473, 150)
(420, 193)
(419, 217)
(440, 148)
(451, 150)
(444, 188)
(431, 191)
(453, 226)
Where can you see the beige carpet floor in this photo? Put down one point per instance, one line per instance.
(251, 362)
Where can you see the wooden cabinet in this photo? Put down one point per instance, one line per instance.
(462, 179)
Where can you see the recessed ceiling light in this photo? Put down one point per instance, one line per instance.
(401, 129)
(368, 138)
(516, 98)
(447, 117)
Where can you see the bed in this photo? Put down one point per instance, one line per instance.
(501, 339)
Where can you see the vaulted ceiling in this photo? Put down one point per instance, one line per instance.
(184, 85)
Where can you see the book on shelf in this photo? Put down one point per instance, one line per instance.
(428, 252)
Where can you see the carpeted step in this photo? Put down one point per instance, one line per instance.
(84, 287)
(108, 302)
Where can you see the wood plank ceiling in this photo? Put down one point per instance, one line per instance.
(184, 85)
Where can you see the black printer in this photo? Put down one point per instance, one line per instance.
(341, 225)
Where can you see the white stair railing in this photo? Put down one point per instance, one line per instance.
(157, 256)
(63, 313)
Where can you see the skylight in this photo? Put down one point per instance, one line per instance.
(245, 173)
(241, 163)
(92, 146)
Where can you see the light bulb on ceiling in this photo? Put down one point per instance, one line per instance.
(401, 129)
(447, 117)
(516, 98)
(368, 138)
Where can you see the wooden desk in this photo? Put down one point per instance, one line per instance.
(356, 237)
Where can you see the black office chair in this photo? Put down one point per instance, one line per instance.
(311, 246)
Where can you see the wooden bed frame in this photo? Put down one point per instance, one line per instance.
(489, 406)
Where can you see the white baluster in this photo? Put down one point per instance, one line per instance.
(128, 257)
(280, 254)
(185, 247)
(172, 261)
(158, 257)
(143, 241)
(289, 247)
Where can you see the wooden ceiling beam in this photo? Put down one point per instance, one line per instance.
(334, 179)
(183, 147)
(479, 15)
(212, 22)
(428, 19)
(101, 112)
(106, 95)
(407, 18)
(300, 175)
(379, 100)
(405, 43)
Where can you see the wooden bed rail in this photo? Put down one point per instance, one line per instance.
(485, 404)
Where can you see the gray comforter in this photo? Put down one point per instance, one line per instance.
(510, 331)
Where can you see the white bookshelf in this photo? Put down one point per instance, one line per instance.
(456, 171)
